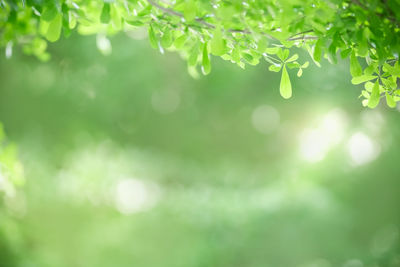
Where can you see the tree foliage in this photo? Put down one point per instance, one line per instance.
(243, 32)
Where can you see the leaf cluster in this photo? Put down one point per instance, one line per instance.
(243, 32)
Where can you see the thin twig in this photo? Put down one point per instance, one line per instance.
(300, 33)
(305, 37)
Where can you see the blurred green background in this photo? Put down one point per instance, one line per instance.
(129, 161)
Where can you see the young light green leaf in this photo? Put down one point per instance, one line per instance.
(54, 29)
(355, 68)
(363, 78)
(300, 72)
(217, 43)
(189, 12)
(193, 56)
(236, 55)
(105, 13)
(272, 50)
(180, 41)
(205, 64)
(136, 23)
(166, 39)
(365, 94)
(305, 65)
(375, 96)
(390, 101)
(293, 65)
(283, 54)
(293, 58)
(275, 68)
(285, 86)
(152, 38)
(368, 86)
(262, 45)
(317, 51)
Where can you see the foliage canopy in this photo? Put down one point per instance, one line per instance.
(243, 32)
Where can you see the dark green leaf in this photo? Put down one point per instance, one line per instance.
(105, 13)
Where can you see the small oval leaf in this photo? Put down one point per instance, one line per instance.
(205, 64)
(285, 86)
(54, 29)
(374, 98)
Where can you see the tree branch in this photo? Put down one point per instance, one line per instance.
(211, 26)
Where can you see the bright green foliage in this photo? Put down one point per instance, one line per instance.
(243, 32)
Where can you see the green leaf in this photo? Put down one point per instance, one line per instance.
(193, 56)
(355, 68)
(105, 13)
(371, 69)
(65, 20)
(49, 13)
(54, 29)
(374, 98)
(300, 72)
(293, 58)
(317, 51)
(218, 44)
(293, 65)
(180, 41)
(368, 86)
(275, 68)
(285, 86)
(189, 12)
(262, 45)
(152, 38)
(166, 39)
(136, 23)
(305, 65)
(365, 94)
(272, 50)
(236, 55)
(283, 54)
(205, 64)
(390, 101)
(363, 78)
(392, 70)
(345, 53)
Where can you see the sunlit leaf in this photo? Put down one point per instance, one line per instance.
(166, 39)
(285, 86)
(355, 68)
(375, 96)
(300, 72)
(390, 101)
(205, 63)
(275, 68)
(317, 51)
(190, 10)
(293, 58)
(217, 43)
(363, 78)
(54, 29)
(152, 38)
